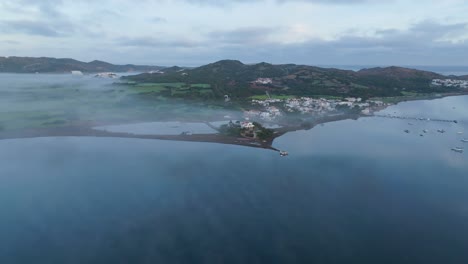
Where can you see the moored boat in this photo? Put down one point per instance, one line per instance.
(458, 149)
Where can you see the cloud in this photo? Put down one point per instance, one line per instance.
(30, 27)
(423, 43)
(10, 42)
(152, 42)
(251, 30)
(45, 8)
(422, 35)
(158, 20)
(242, 36)
(44, 18)
(221, 3)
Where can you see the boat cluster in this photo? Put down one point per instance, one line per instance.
(442, 131)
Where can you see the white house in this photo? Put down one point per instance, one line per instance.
(247, 125)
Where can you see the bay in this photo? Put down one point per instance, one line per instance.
(353, 191)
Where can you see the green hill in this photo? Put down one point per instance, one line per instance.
(238, 80)
(53, 65)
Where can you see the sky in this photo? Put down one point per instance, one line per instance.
(196, 32)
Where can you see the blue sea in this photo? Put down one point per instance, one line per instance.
(352, 191)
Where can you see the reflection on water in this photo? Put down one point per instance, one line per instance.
(160, 128)
(350, 192)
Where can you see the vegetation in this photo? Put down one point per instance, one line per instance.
(230, 130)
(262, 132)
(43, 65)
(238, 80)
(176, 89)
(235, 130)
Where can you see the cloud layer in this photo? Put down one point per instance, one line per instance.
(192, 32)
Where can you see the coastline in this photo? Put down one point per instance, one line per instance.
(86, 129)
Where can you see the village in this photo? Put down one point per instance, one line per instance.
(450, 83)
(272, 109)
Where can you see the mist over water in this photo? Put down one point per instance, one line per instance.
(352, 191)
(47, 100)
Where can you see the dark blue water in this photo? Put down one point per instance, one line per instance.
(350, 192)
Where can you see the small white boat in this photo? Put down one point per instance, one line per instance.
(284, 153)
(425, 131)
(458, 149)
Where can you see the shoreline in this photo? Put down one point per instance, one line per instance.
(86, 129)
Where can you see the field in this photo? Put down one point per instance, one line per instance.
(179, 90)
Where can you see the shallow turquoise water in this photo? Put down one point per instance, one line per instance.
(350, 192)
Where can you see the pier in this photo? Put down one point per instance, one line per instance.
(417, 118)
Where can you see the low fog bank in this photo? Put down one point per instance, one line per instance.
(47, 100)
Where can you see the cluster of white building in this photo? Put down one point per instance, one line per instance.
(106, 75)
(270, 113)
(306, 105)
(263, 81)
(267, 102)
(450, 83)
(309, 105)
(247, 125)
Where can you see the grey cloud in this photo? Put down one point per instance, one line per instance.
(425, 33)
(418, 45)
(250, 35)
(46, 8)
(332, 2)
(47, 20)
(158, 20)
(38, 28)
(11, 42)
(162, 42)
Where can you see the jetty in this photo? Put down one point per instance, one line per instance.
(416, 118)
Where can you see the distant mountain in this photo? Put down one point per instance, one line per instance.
(399, 73)
(53, 65)
(242, 80)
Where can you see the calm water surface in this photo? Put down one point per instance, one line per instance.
(350, 192)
